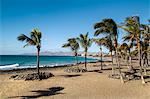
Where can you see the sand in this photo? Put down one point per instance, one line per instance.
(88, 85)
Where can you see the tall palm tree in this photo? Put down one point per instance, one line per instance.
(74, 46)
(133, 27)
(33, 40)
(99, 43)
(85, 42)
(109, 28)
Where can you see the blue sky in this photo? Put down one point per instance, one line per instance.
(59, 20)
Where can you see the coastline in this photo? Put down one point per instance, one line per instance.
(32, 67)
(10, 62)
(18, 70)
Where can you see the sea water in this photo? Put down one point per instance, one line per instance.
(29, 61)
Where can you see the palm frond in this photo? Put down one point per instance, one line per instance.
(107, 27)
(66, 45)
(72, 44)
(23, 37)
(98, 25)
(126, 38)
(26, 45)
(34, 39)
(84, 41)
(36, 36)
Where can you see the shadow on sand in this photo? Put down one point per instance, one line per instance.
(98, 71)
(146, 77)
(49, 92)
(68, 76)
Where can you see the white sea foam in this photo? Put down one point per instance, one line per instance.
(17, 66)
(9, 66)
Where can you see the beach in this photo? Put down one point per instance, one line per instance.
(64, 85)
(75, 49)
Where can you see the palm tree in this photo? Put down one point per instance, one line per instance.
(99, 43)
(131, 39)
(106, 42)
(74, 46)
(85, 42)
(133, 27)
(33, 40)
(145, 43)
(145, 51)
(108, 27)
(125, 49)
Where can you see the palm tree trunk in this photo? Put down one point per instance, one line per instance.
(117, 59)
(101, 58)
(118, 64)
(111, 57)
(75, 55)
(85, 60)
(144, 63)
(38, 61)
(113, 72)
(140, 64)
(129, 63)
(130, 59)
(76, 60)
(146, 59)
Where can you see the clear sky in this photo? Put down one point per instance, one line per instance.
(59, 20)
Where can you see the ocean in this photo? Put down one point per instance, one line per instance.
(28, 61)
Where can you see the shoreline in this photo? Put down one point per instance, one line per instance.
(46, 67)
(19, 70)
(33, 67)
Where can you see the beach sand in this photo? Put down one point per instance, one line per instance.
(88, 85)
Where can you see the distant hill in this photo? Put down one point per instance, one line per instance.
(49, 53)
(59, 53)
